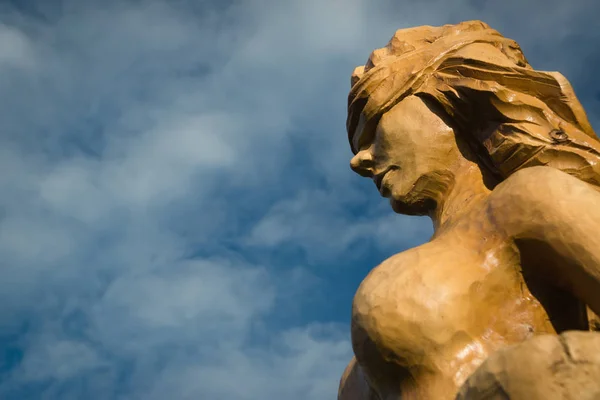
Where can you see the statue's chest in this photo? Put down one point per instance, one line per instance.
(432, 296)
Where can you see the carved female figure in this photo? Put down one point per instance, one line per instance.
(452, 122)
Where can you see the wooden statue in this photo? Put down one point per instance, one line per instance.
(452, 122)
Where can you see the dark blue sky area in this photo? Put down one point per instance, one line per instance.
(178, 217)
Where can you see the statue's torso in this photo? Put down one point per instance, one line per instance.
(426, 318)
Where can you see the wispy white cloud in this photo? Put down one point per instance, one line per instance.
(300, 220)
(155, 158)
(17, 51)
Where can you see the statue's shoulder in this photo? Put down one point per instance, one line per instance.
(539, 174)
(541, 193)
(539, 184)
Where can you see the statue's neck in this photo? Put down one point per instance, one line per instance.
(467, 191)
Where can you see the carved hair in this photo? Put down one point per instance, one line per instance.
(511, 115)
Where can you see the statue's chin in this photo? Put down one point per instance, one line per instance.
(422, 197)
(420, 206)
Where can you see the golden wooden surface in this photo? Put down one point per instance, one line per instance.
(453, 123)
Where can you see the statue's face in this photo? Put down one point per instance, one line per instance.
(410, 150)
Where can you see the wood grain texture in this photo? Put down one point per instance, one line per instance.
(453, 123)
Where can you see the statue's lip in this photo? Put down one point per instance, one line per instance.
(378, 179)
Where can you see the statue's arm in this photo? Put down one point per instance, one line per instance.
(558, 217)
(353, 385)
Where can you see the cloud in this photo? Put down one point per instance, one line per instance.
(302, 363)
(17, 49)
(299, 219)
(176, 191)
(58, 360)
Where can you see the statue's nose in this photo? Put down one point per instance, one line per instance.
(362, 163)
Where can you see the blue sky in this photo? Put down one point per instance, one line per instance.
(178, 218)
